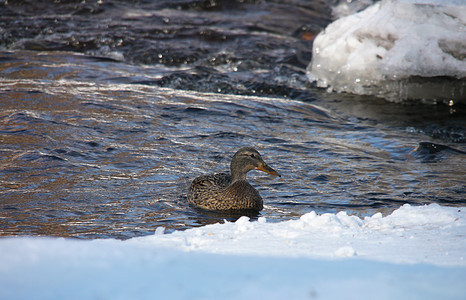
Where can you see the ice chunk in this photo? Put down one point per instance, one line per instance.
(348, 7)
(396, 49)
(345, 251)
(243, 224)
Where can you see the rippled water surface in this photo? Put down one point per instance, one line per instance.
(92, 146)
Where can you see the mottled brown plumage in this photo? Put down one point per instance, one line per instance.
(225, 192)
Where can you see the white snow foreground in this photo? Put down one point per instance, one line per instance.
(429, 234)
(396, 49)
(416, 253)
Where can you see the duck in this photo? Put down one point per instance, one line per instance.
(230, 192)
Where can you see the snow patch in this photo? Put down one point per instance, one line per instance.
(411, 234)
(295, 259)
(345, 251)
(396, 49)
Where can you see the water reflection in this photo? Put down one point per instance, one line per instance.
(100, 158)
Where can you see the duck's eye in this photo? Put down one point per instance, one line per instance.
(252, 155)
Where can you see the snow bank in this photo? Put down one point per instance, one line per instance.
(397, 49)
(428, 234)
(305, 258)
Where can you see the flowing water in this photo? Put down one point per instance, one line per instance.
(108, 110)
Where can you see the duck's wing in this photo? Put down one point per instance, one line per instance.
(206, 188)
(212, 182)
(215, 192)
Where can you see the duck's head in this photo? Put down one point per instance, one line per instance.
(247, 159)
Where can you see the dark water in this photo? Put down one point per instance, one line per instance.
(109, 109)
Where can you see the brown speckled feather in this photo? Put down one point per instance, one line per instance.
(213, 192)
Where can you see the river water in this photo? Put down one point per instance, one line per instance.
(109, 109)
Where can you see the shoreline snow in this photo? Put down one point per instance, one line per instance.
(396, 49)
(396, 238)
(416, 252)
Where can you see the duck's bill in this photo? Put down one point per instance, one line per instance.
(265, 168)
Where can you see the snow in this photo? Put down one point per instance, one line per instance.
(347, 7)
(397, 49)
(401, 237)
(417, 252)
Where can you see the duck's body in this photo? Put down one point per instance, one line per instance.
(225, 192)
(217, 192)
